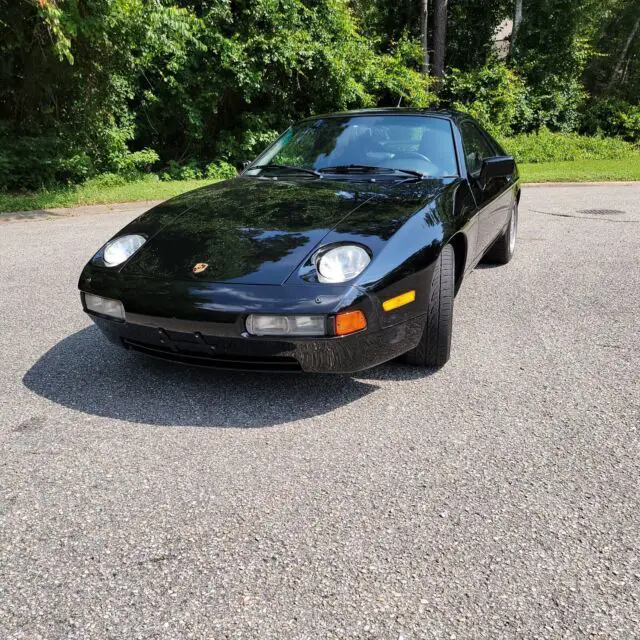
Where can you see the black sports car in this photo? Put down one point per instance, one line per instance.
(339, 248)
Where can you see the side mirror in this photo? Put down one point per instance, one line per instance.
(498, 167)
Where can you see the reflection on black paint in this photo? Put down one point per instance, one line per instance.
(256, 231)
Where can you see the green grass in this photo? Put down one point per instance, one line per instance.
(93, 192)
(582, 170)
(97, 192)
(549, 146)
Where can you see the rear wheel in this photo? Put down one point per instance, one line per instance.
(434, 347)
(504, 247)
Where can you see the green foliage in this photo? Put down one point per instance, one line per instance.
(471, 26)
(502, 100)
(556, 102)
(97, 191)
(68, 73)
(134, 163)
(220, 171)
(107, 180)
(553, 39)
(53, 17)
(470, 40)
(395, 79)
(116, 85)
(252, 71)
(553, 47)
(580, 171)
(176, 171)
(387, 21)
(192, 170)
(123, 87)
(609, 73)
(612, 117)
(547, 146)
(34, 162)
(495, 95)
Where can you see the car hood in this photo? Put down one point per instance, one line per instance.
(257, 231)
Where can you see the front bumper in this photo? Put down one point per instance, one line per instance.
(204, 323)
(197, 344)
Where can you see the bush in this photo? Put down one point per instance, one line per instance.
(555, 102)
(107, 180)
(495, 95)
(220, 171)
(254, 135)
(176, 171)
(30, 163)
(547, 146)
(502, 101)
(219, 79)
(74, 168)
(612, 117)
(132, 164)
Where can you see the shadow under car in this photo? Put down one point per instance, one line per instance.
(86, 373)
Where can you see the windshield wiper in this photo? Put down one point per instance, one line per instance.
(367, 168)
(287, 167)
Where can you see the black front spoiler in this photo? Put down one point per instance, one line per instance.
(180, 343)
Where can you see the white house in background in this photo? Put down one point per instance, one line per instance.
(502, 39)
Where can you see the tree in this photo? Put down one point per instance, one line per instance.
(517, 19)
(94, 86)
(88, 87)
(425, 36)
(617, 74)
(440, 37)
(471, 27)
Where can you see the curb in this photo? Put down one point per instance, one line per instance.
(582, 184)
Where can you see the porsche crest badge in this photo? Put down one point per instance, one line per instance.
(200, 267)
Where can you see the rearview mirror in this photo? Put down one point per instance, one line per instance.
(498, 167)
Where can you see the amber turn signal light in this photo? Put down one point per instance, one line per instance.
(399, 301)
(349, 322)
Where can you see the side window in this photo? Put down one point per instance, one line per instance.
(476, 147)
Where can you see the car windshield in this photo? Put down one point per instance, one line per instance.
(363, 144)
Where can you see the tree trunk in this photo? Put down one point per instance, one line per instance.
(617, 72)
(517, 19)
(439, 37)
(424, 37)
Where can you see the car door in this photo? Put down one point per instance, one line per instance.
(495, 200)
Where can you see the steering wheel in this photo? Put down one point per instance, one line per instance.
(412, 154)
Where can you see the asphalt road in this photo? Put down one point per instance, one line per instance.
(496, 498)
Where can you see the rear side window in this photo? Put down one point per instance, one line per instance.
(476, 147)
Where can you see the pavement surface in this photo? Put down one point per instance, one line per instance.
(496, 498)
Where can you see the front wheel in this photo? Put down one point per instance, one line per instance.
(504, 247)
(434, 348)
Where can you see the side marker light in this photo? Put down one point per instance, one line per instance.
(399, 301)
(349, 322)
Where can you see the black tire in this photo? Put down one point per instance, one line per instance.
(434, 348)
(503, 248)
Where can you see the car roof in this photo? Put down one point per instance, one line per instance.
(449, 114)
